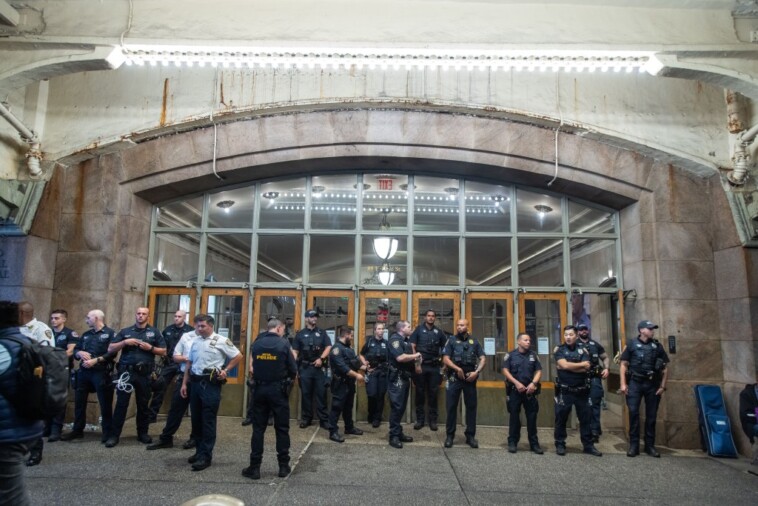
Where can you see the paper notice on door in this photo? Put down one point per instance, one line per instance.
(489, 346)
(543, 345)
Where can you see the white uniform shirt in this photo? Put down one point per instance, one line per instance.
(213, 351)
(38, 331)
(182, 348)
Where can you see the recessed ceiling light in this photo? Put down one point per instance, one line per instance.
(271, 195)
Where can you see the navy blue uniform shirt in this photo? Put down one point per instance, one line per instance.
(522, 365)
(132, 355)
(272, 358)
(429, 341)
(96, 342)
(575, 355)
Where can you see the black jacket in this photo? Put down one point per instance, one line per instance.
(748, 404)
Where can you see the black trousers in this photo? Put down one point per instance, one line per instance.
(531, 407)
(376, 390)
(168, 373)
(564, 400)
(176, 412)
(99, 381)
(397, 390)
(205, 398)
(343, 398)
(639, 389)
(454, 387)
(427, 386)
(313, 386)
(270, 398)
(141, 384)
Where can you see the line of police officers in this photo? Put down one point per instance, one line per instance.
(386, 366)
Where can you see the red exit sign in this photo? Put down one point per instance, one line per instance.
(385, 184)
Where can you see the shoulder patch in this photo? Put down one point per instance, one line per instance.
(49, 333)
(505, 357)
(335, 350)
(396, 344)
(230, 344)
(470, 341)
(74, 334)
(555, 350)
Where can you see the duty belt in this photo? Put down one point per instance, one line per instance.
(643, 377)
(196, 378)
(569, 389)
(264, 382)
(141, 368)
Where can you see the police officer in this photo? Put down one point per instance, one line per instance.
(65, 339)
(403, 361)
(429, 341)
(274, 369)
(572, 389)
(211, 357)
(346, 371)
(312, 347)
(465, 360)
(179, 404)
(374, 353)
(598, 372)
(40, 332)
(522, 371)
(643, 374)
(139, 344)
(16, 432)
(170, 368)
(93, 375)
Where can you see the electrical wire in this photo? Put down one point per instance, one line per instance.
(128, 22)
(215, 127)
(122, 383)
(557, 130)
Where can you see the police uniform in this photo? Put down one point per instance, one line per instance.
(172, 334)
(62, 338)
(572, 389)
(95, 379)
(429, 342)
(376, 354)
(595, 351)
(400, 374)
(179, 404)
(644, 381)
(523, 367)
(310, 345)
(274, 369)
(464, 351)
(342, 360)
(138, 364)
(207, 354)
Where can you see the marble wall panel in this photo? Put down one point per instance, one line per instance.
(687, 280)
(82, 270)
(631, 167)
(698, 361)
(637, 243)
(738, 318)
(681, 435)
(87, 232)
(90, 189)
(724, 229)
(751, 274)
(641, 276)
(739, 361)
(730, 269)
(690, 319)
(679, 196)
(680, 403)
(600, 159)
(40, 298)
(45, 223)
(683, 241)
(348, 126)
(140, 160)
(40, 258)
(138, 237)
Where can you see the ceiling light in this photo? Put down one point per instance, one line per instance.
(385, 247)
(225, 205)
(271, 195)
(385, 274)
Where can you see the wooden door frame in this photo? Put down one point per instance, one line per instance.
(207, 292)
(154, 291)
(509, 330)
(378, 294)
(454, 295)
(561, 297)
(271, 292)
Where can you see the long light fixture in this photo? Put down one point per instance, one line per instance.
(391, 58)
(385, 274)
(385, 247)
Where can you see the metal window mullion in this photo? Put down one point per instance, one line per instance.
(256, 228)
(203, 240)
(566, 246)
(358, 234)
(307, 230)
(461, 241)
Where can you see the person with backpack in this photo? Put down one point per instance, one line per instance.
(17, 433)
(40, 332)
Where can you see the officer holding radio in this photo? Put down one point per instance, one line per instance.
(428, 340)
(465, 360)
(211, 357)
(312, 347)
(139, 344)
(522, 371)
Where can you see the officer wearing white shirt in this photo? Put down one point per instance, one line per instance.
(40, 332)
(179, 404)
(210, 359)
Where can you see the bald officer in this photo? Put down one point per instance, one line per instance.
(211, 358)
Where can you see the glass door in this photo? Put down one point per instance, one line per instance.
(283, 305)
(229, 307)
(490, 317)
(335, 309)
(386, 307)
(164, 302)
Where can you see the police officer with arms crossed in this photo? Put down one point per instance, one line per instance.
(465, 360)
(374, 353)
(643, 374)
(93, 375)
(403, 361)
(273, 370)
(16, 433)
(170, 368)
(572, 389)
(207, 372)
(65, 339)
(346, 367)
(139, 344)
(312, 346)
(40, 332)
(429, 341)
(179, 404)
(523, 371)
(598, 372)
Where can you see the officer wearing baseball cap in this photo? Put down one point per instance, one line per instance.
(311, 348)
(643, 374)
(598, 372)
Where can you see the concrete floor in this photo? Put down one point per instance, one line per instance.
(366, 470)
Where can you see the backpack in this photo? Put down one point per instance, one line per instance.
(42, 379)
